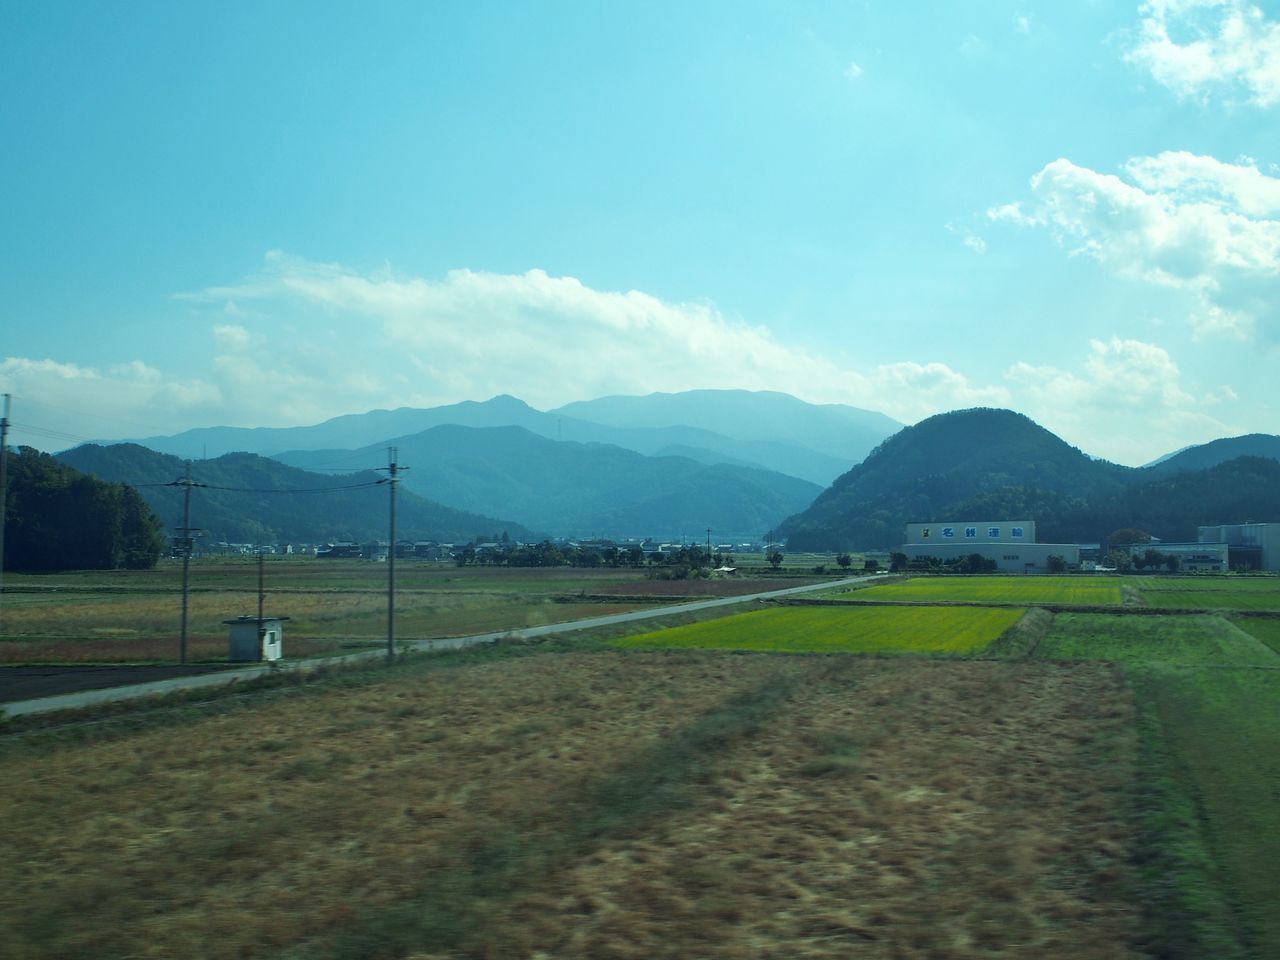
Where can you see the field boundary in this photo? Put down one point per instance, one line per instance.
(1051, 607)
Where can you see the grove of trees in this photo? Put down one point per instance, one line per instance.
(57, 518)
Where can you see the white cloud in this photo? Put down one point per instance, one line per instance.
(1180, 220)
(231, 337)
(57, 404)
(1022, 23)
(1127, 404)
(975, 243)
(854, 71)
(550, 340)
(1197, 47)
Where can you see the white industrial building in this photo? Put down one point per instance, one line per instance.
(1250, 546)
(1010, 543)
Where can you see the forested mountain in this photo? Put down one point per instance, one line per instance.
(57, 518)
(942, 464)
(577, 489)
(996, 464)
(768, 431)
(251, 499)
(1206, 455)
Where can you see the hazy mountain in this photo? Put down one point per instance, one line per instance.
(1206, 455)
(252, 499)
(576, 489)
(946, 466)
(775, 432)
(844, 432)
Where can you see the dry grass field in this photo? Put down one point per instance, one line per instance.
(592, 805)
(333, 606)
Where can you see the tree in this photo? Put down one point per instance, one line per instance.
(844, 560)
(775, 559)
(1057, 564)
(60, 519)
(871, 565)
(897, 562)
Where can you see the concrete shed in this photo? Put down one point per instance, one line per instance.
(256, 638)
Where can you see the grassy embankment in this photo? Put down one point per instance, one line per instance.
(1209, 698)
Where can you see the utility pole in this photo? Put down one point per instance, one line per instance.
(4, 480)
(393, 469)
(186, 543)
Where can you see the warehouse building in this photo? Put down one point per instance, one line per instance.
(1250, 546)
(1010, 543)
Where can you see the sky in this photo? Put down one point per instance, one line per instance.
(253, 214)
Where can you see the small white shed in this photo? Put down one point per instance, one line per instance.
(256, 638)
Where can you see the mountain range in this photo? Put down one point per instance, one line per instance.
(737, 462)
(245, 498)
(581, 489)
(762, 429)
(997, 464)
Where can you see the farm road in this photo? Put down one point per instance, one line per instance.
(88, 698)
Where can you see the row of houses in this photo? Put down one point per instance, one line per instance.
(1013, 547)
(379, 550)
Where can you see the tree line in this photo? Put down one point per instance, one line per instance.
(57, 518)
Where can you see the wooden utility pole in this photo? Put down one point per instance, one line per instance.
(393, 469)
(4, 488)
(185, 544)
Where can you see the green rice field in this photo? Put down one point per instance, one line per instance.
(1268, 630)
(830, 629)
(1082, 590)
(1202, 640)
(1210, 593)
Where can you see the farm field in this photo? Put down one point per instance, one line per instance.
(1083, 590)
(1201, 640)
(830, 629)
(1210, 593)
(1208, 690)
(1268, 630)
(135, 617)
(593, 805)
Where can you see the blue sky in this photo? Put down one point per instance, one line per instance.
(270, 214)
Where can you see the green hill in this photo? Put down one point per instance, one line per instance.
(992, 464)
(1206, 455)
(252, 499)
(970, 462)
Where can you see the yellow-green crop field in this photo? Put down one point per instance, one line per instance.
(953, 630)
(1086, 591)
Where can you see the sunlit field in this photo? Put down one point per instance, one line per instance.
(593, 805)
(827, 629)
(1082, 590)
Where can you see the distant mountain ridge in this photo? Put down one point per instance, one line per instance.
(253, 499)
(771, 431)
(987, 463)
(1205, 455)
(581, 489)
